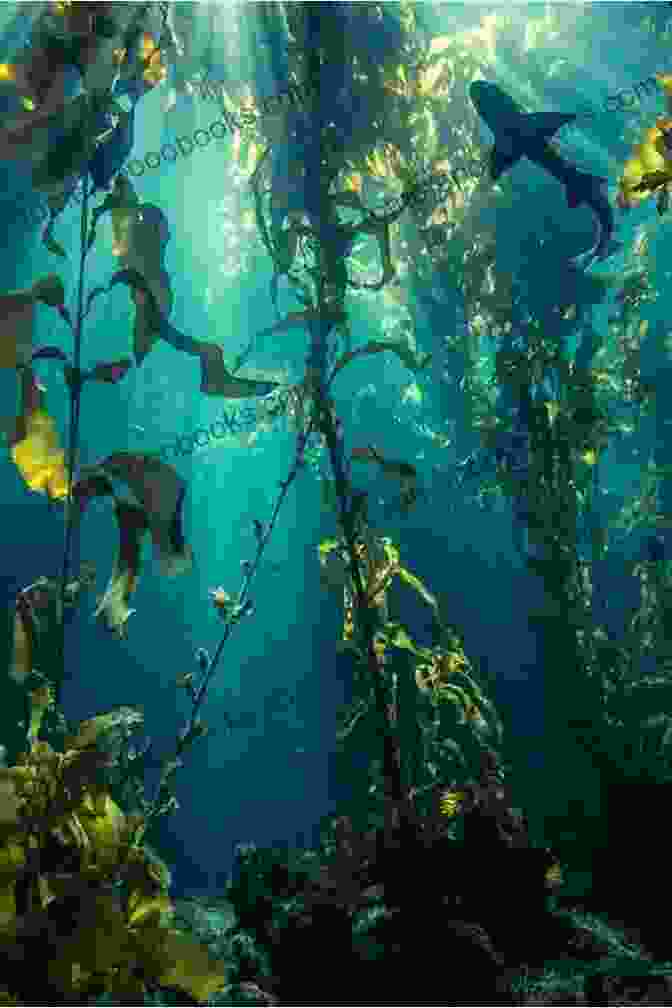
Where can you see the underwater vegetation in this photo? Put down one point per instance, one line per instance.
(376, 194)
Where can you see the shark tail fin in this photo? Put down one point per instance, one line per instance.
(583, 187)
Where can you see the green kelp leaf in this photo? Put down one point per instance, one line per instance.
(110, 725)
(328, 546)
(652, 181)
(396, 635)
(414, 582)
(50, 242)
(334, 566)
(302, 291)
(348, 647)
(447, 693)
(349, 717)
(50, 290)
(328, 495)
(285, 250)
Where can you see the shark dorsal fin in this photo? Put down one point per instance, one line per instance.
(546, 124)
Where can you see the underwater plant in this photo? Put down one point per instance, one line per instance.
(69, 853)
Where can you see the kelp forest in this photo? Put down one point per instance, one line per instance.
(471, 412)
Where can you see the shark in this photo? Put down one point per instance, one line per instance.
(523, 134)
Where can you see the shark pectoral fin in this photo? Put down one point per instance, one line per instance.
(501, 159)
(547, 124)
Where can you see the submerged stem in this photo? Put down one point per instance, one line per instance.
(75, 389)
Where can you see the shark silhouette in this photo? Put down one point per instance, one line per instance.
(522, 134)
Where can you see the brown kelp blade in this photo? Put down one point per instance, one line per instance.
(216, 379)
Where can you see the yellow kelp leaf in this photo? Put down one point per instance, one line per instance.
(375, 164)
(650, 158)
(12, 857)
(39, 458)
(353, 182)
(99, 943)
(120, 719)
(349, 622)
(589, 457)
(152, 58)
(254, 151)
(554, 875)
(414, 582)
(44, 894)
(149, 909)
(9, 799)
(450, 802)
(7, 908)
(665, 81)
(327, 545)
(629, 184)
(427, 79)
(391, 554)
(190, 967)
(41, 700)
(104, 831)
